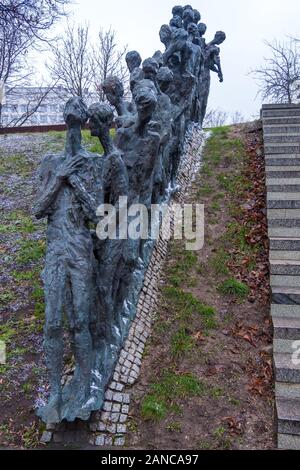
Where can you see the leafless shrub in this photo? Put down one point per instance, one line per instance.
(108, 60)
(277, 78)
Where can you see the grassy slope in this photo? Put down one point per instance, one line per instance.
(207, 378)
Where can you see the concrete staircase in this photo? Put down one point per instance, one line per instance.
(281, 127)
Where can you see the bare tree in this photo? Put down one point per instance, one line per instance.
(236, 118)
(23, 24)
(34, 18)
(276, 80)
(108, 60)
(71, 66)
(215, 118)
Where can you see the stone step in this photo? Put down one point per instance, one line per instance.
(283, 232)
(286, 295)
(287, 390)
(286, 214)
(283, 204)
(288, 244)
(286, 328)
(282, 173)
(284, 223)
(284, 167)
(280, 113)
(288, 311)
(288, 442)
(278, 181)
(282, 148)
(275, 255)
(288, 414)
(275, 196)
(285, 268)
(282, 228)
(279, 280)
(272, 164)
(280, 106)
(286, 347)
(282, 121)
(282, 138)
(293, 188)
(279, 129)
(283, 155)
(285, 369)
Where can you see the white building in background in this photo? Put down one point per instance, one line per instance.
(50, 111)
(22, 99)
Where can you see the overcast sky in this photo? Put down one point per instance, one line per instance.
(246, 24)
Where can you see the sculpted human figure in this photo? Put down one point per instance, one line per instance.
(114, 92)
(212, 63)
(201, 31)
(178, 45)
(109, 253)
(133, 60)
(165, 78)
(150, 69)
(176, 22)
(159, 58)
(165, 35)
(177, 11)
(69, 201)
(197, 16)
(187, 17)
(139, 144)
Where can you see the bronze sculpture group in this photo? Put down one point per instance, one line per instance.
(94, 283)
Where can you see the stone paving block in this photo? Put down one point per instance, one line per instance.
(108, 395)
(111, 428)
(119, 441)
(116, 408)
(107, 406)
(118, 397)
(121, 428)
(123, 418)
(100, 440)
(105, 416)
(126, 399)
(101, 426)
(115, 417)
